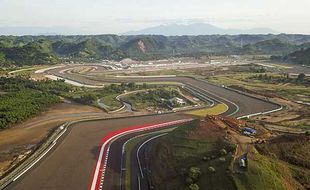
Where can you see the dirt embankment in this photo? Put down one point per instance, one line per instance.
(18, 141)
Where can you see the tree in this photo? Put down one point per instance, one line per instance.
(211, 169)
(223, 152)
(189, 180)
(194, 173)
(194, 187)
(301, 77)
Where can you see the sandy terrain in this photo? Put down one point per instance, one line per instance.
(22, 137)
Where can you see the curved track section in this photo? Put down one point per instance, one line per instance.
(71, 165)
(245, 105)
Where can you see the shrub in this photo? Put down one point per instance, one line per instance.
(189, 180)
(222, 159)
(194, 173)
(211, 169)
(223, 152)
(194, 187)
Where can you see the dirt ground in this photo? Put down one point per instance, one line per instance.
(18, 140)
(291, 119)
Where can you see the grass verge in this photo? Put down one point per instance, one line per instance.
(216, 110)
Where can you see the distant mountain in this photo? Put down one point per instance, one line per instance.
(29, 50)
(196, 29)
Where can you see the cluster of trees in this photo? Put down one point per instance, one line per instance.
(33, 53)
(192, 178)
(22, 98)
(89, 97)
(18, 106)
(156, 98)
(301, 57)
(301, 79)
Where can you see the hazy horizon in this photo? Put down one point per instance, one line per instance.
(117, 17)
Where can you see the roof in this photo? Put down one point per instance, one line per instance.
(250, 130)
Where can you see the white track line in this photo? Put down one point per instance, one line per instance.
(41, 156)
(138, 151)
(98, 165)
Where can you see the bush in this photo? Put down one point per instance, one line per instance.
(223, 152)
(307, 133)
(189, 180)
(194, 173)
(222, 159)
(194, 187)
(211, 169)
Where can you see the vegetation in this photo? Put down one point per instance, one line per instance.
(34, 53)
(156, 98)
(293, 150)
(271, 85)
(276, 46)
(22, 98)
(90, 49)
(106, 95)
(265, 173)
(216, 110)
(276, 79)
(198, 155)
(178, 163)
(30, 50)
(249, 68)
(301, 57)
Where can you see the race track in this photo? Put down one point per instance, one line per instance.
(70, 165)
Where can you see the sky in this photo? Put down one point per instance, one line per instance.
(119, 16)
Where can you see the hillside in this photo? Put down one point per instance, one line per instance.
(202, 154)
(301, 56)
(33, 53)
(88, 49)
(276, 46)
(30, 50)
(294, 150)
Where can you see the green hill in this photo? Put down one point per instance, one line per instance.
(276, 46)
(90, 49)
(200, 153)
(28, 50)
(34, 53)
(301, 56)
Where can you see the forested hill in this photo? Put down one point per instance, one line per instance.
(301, 56)
(30, 50)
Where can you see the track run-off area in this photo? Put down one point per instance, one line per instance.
(89, 154)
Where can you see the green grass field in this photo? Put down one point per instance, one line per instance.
(199, 146)
(291, 91)
(216, 110)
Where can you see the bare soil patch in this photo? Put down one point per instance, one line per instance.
(22, 138)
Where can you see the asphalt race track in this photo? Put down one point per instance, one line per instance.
(70, 165)
(248, 105)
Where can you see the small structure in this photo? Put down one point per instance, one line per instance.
(242, 162)
(249, 131)
(177, 100)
